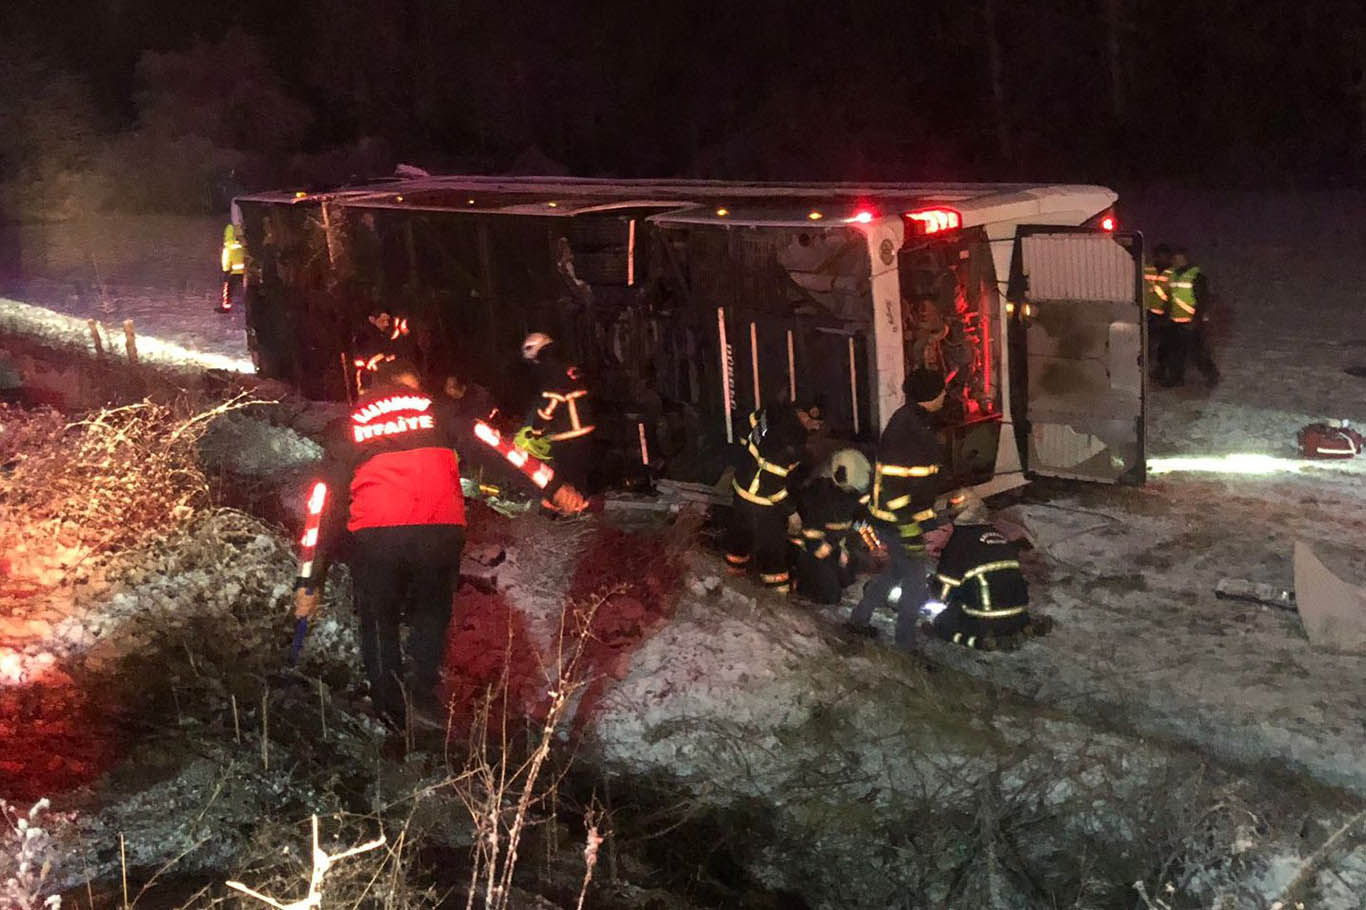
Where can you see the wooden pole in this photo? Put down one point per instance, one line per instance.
(347, 379)
(130, 341)
(95, 336)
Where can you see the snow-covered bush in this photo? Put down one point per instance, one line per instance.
(121, 477)
(25, 858)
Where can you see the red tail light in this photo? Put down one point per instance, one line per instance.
(1107, 223)
(933, 221)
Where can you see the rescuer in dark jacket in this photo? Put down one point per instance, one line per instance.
(983, 598)
(563, 415)
(901, 505)
(393, 482)
(385, 337)
(761, 505)
(828, 506)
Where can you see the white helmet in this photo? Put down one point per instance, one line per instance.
(849, 469)
(531, 347)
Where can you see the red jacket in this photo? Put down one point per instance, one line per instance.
(391, 463)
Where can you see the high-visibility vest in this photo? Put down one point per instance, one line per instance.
(234, 256)
(1155, 294)
(1181, 290)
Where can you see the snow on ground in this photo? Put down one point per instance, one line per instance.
(176, 346)
(1130, 574)
(160, 271)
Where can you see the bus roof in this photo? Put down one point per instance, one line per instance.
(706, 201)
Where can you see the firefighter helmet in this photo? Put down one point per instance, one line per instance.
(850, 470)
(534, 344)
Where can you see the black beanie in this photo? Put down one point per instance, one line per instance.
(923, 385)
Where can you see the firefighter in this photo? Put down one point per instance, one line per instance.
(828, 506)
(392, 481)
(469, 399)
(1157, 299)
(758, 534)
(469, 402)
(1189, 311)
(901, 506)
(983, 598)
(234, 261)
(385, 337)
(563, 415)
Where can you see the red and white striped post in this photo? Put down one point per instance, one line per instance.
(312, 523)
(539, 472)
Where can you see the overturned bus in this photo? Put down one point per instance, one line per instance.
(690, 302)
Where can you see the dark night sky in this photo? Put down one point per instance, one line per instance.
(1114, 90)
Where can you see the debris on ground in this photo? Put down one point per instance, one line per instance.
(1333, 611)
(1255, 592)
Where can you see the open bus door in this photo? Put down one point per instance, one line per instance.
(1078, 353)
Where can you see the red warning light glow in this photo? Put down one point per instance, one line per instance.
(1107, 223)
(933, 221)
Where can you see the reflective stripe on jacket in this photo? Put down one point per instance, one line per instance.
(759, 480)
(1182, 293)
(234, 258)
(979, 571)
(905, 480)
(565, 410)
(1155, 293)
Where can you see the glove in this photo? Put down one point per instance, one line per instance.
(794, 525)
(568, 500)
(529, 441)
(306, 602)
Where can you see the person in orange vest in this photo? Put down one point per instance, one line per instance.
(1189, 310)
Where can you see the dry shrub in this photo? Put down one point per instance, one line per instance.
(122, 476)
(281, 865)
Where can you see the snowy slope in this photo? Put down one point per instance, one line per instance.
(160, 271)
(1130, 574)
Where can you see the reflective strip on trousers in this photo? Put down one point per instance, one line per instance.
(1001, 613)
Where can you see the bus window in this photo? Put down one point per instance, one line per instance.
(949, 309)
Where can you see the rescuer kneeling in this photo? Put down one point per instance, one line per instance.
(828, 506)
(390, 477)
(983, 598)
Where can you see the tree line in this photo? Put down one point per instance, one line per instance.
(165, 103)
